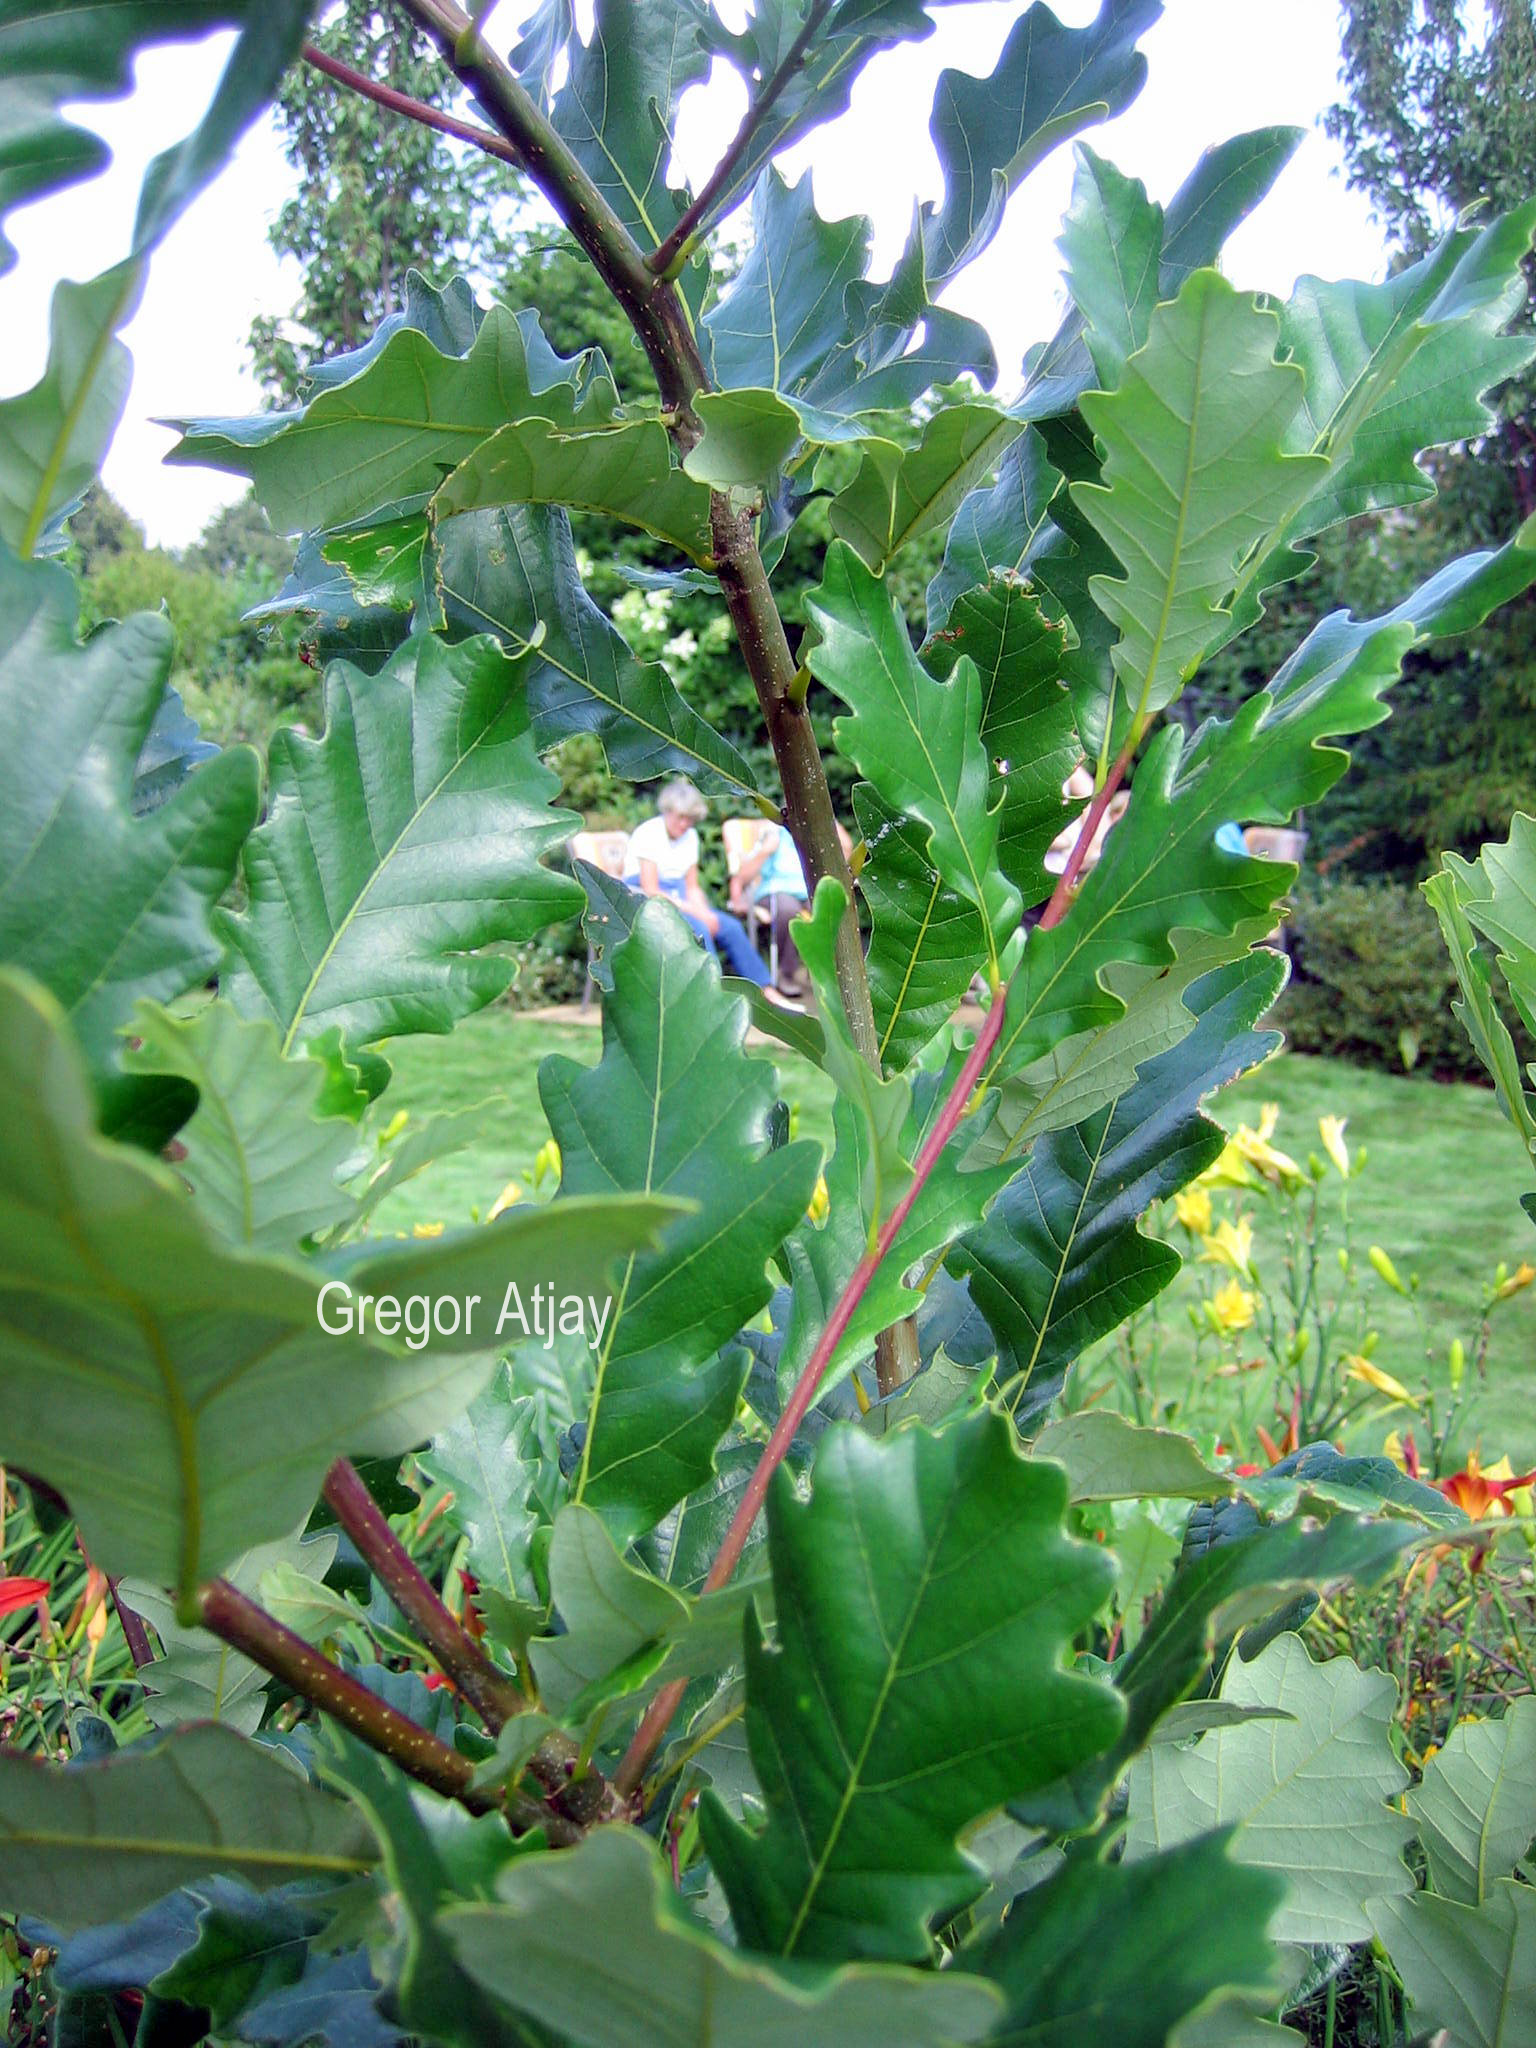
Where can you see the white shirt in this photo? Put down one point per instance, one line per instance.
(674, 858)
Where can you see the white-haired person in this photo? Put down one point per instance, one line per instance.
(663, 860)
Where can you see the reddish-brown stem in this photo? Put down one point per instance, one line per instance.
(413, 109)
(664, 1706)
(134, 1633)
(226, 1612)
(663, 257)
(1061, 895)
(492, 1694)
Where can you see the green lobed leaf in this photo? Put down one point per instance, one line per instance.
(1306, 1795)
(899, 493)
(103, 907)
(675, 1107)
(1195, 476)
(1503, 908)
(656, 1979)
(395, 847)
(991, 132)
(1060, 1262)
(409, 411)
(123, 1320)
(488, 1457)
(512, 572)
(909, 1693)
(916, 739)
(623, 471)
(1123, 1951)
(1109, 1457)
(261, 1159)
(1469, 1971)
(1160, 869)
(1027, 724)
(93, 1843)
(1450, 894)
(1111, 243)
(995, 531)
(53, 437)
(1475, 1809)
(926, 940)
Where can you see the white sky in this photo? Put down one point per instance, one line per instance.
(1216, 67)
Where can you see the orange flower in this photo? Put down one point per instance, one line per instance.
(1482, 1494)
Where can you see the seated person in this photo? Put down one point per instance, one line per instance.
(772, 875)
(663, 860)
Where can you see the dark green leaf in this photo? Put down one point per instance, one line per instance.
(675, 1107)
(397, 846)
(872, 1749)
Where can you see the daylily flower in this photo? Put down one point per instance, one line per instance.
(510, 1193)
(426, 1230)
(1484, 1492)
(1290, 1441)
(1520, 1279)
(1230, 1307)
(1361, 1368)
(18, 1593)
(1331, 1130)
(1403, 1452)
(1230, 1244)
(1192, 1206)
(821, 1201)
(1248, 1149)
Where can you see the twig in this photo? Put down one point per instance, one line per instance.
(492, 1694)
(413, 109)
(665, 256)
(1061, 895)
(228, 1614)
(133, 1629)
(664, 1706)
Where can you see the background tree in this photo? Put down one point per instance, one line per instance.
(438, 208)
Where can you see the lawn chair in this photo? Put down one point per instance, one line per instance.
(743, 837)
(605, 850)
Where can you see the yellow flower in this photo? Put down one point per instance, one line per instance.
(427, 1230)
(1269, 1116)
(1230, 1307)
(821, 1201)
(1517, 1282)
(1229, 1170)
(546, 1160)
(1393, 1449)
(510, 1193)
(1519, 1497)
(1231, 1244)
(1331, 1130)
(1361, 1368)
(1192, 1206)
(1248, 1149)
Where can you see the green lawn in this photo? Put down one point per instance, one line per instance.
(1440, 1191)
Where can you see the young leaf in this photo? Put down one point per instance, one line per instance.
(1306, 1795)
(409, 413)
(657, 1980)
(95, 1843)
(897, 494)
(1059, 1261)
(124, 1321)
(199, 1678)
(1123, 1951)
(1451, 894)
(995, 531)
(782, 314)
(1195, 475)
(395, 847)
(908, 1693)
(1109, 1457)
(675, 1107)
(916, 739)
(1111, 243)
(1476, 1807)
(102, 907)
(1469, 1971)
(512, 572)
(262, 1160)
(488, 1457)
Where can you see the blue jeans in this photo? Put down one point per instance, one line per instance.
(731, 940)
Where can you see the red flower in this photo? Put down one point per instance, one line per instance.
(18, 1593)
